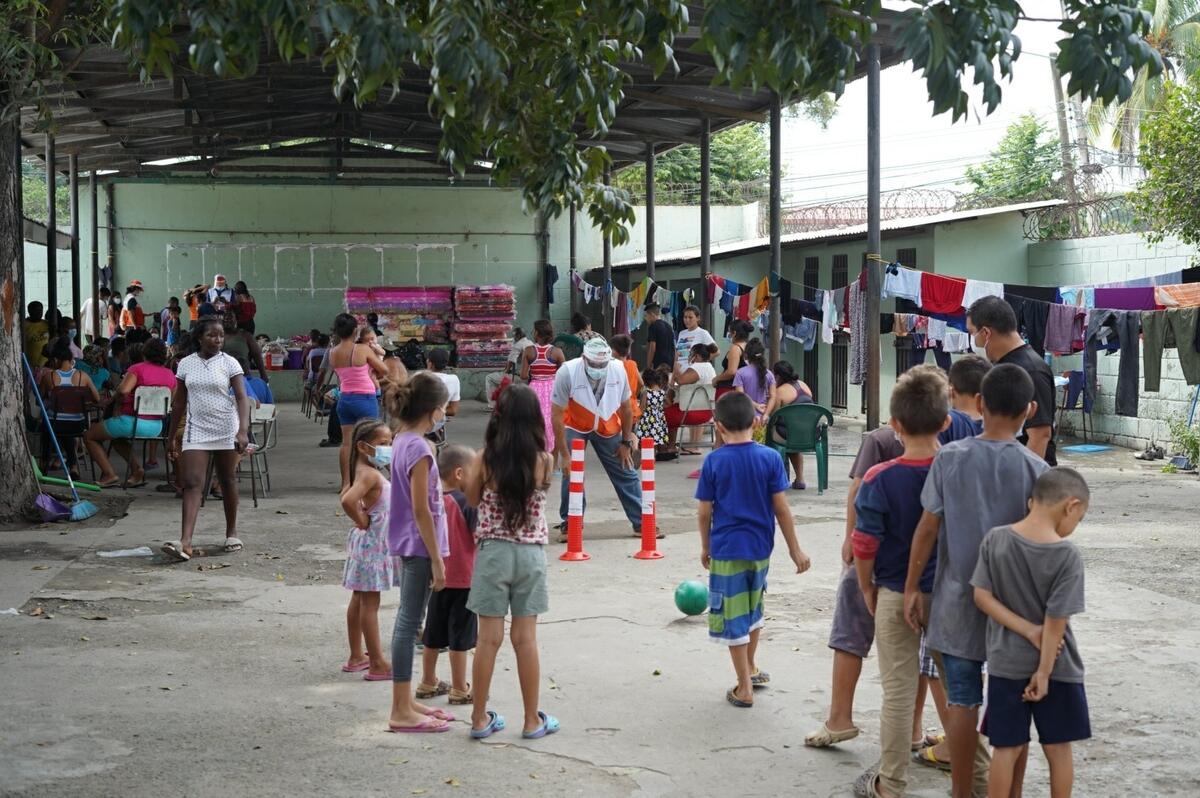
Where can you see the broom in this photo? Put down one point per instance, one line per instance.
(81, 509)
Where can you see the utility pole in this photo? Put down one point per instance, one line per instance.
(1064, 146)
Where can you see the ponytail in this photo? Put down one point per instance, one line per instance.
(417, 398)
(756, 355)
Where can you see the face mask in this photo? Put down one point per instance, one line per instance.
(980, 350)
(438, 425)
(596, 373)
(382, 456)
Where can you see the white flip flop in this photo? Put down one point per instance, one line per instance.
(233, 545)
(174, 551)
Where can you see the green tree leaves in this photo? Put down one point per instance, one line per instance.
(738, 157)
(1168, 199)
(1021, 167)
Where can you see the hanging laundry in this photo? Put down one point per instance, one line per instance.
(1127, 298)
(1039, 292)
(1178, 296)
(549, 279)
(1177, 328)
(940, 294)
(1064, 326)
(901, 282)
(978, 289)
(1081, 296)
(841, 305)
(743, 307)
(900, 325)
(1105, 326)
(761, 301)
(1031, 320)
(828, 316)
(858, 334)
(725, 302)
(936, 330)
(956, 341)
(621, 316)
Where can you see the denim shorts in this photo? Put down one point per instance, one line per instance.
(354, 407)
(963, 679)
(853, 628)
(509, 578)
(1060, 717)
(122, 427)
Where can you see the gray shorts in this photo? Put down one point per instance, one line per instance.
(853, 628)
(509, 578)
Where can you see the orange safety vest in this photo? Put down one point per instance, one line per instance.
(583, 414)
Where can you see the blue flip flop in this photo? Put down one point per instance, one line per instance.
(549, 726)
(495, 724)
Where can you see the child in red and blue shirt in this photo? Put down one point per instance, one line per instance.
(888, 507)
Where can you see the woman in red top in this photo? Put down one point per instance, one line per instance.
(539, 364)
(244, 306)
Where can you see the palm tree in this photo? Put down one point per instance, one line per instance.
(1175, 31)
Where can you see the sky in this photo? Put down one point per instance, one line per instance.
(917, 148)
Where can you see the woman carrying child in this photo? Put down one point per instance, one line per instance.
(508, 484)
(370, 568)
(539, 364)
(418, 535)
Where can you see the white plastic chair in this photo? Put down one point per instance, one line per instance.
(150, 400)
(700, 397)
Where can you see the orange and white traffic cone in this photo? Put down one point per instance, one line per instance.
(649, 549)
(575, 552)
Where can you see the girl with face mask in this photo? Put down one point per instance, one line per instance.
(370, 568)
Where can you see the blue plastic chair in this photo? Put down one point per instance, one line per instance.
(802, 428)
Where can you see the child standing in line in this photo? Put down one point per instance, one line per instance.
(974, 484)
(742, 493)
(966, 375)
(370, 567)
(653, 423)
(417, 534)
(508, 483)
(887, 509)
(1029, 582)
(449, 624)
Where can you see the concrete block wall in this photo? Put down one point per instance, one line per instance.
(1104, 259)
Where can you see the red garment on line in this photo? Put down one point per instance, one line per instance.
(941, 294)
(743, 307)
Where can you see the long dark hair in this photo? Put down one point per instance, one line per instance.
(513, 445)
(785, 372)
(756, 355)
(740, 330)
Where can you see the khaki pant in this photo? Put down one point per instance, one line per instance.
(899, 650)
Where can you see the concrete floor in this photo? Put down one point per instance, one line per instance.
(220, 677)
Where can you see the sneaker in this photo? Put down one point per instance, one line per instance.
(328, 444)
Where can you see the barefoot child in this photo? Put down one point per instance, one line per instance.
(887, 509)
(742, 493)
(370, 568)
(449, 624)
(417, 534)
(1029, 582)
(508, 484)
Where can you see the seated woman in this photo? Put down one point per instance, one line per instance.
(94, 364)
(150, 372)
(61, 372)
(698, 374)
(754, 380)
(791, 390)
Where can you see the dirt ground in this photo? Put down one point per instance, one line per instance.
(220, 677)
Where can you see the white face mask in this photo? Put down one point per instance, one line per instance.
(596, 373)
(979, 350)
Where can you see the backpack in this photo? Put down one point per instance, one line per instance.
(412, 355)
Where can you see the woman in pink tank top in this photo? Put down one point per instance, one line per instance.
(539, 364)
(354, 364)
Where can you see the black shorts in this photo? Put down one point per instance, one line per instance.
(449, 623)
(1060, 717)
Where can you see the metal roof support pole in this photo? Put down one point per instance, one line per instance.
(706, 219)
(95, 203)
(111, 211)
(776, 212)
(51, 233)
(650, 210)
(606, 302)
(76, 299)
(572, 256)
(873, 238)
(542, 232)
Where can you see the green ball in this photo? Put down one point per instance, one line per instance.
(691, 597)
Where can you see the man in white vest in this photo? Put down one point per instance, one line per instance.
(591, 403)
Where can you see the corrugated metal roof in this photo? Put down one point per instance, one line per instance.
(114, 121)
(732, 249)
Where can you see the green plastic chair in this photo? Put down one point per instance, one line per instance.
(802, 428)
(571, 345)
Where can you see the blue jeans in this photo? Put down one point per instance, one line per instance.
(626, 482)
(416, 573)
(963, 679)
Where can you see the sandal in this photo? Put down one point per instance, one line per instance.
(760, 679)
(495, 723)
(732, 698)
(461, 697)
(174, 551)
(689, 452)
(432, 690)
(865, 786)
(549, 725)
(825, 736)
(233, 545)
(926, 757)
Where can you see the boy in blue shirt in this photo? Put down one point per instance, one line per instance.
(887, 508)
(966, 376)
(742, 493)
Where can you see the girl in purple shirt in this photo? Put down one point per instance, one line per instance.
(754, 380)
(417, 534)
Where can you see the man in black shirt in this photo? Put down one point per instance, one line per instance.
(993, 327)
(660, 339)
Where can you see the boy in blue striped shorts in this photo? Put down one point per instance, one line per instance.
(742, 493)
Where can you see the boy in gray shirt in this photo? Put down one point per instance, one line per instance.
(974, 485)
(1029, 581)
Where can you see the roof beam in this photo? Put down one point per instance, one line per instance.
(708, 108)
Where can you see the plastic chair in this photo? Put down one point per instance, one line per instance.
(149, 400)
(802, 428)
(699, 398)
(1074, 397)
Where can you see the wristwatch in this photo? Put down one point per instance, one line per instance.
(630, 442)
